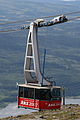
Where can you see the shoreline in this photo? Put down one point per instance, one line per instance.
(12, 110)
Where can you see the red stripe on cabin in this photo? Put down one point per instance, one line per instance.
(39, 104)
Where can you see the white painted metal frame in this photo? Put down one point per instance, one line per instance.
(32, 57)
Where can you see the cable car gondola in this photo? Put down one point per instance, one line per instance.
(41, 98)
(37, 93)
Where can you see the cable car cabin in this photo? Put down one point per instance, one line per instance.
(41, 98)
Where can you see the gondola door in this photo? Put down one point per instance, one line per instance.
(26, 98)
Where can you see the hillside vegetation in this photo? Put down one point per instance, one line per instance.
(67, 112)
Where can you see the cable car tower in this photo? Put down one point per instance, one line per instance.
(37, 93)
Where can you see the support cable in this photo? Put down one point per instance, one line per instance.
(29, 20)
(27, 26)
